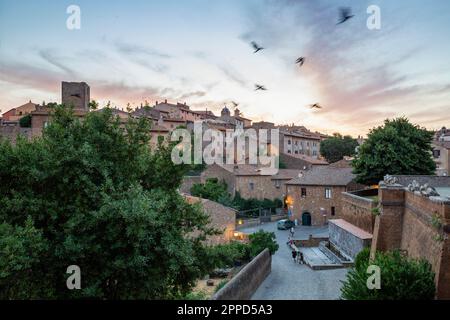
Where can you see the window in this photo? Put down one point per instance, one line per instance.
(333, 211)
(327, 193)
(277, 184)
(251, 186)
(296, 151)
(436, 153)
(289, 151)
(289, 142)
(303, 191)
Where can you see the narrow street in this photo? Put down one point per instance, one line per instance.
(292, 281)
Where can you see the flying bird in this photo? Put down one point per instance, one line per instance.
(315, 106)
(235, 104)
(345, 14)
(300, 61)
(256, 47)
(260, 87)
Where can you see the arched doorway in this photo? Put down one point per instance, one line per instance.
(306, 219)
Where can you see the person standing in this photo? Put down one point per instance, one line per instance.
(292, 232)
(294, 255)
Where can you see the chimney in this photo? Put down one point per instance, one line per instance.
(165, 101)
(156, 102)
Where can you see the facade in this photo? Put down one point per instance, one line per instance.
(250, 182)
(316, 196)
(441, 156)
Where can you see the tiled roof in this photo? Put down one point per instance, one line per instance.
(311, 160)
(325, 176)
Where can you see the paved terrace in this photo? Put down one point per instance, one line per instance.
(292, 281)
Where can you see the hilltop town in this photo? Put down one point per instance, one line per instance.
(345, 215)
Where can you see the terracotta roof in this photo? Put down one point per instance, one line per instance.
(309, 159)
(342, 164)
(443, 144)
(286, 174)
(325, 176)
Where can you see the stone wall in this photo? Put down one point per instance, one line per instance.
(11, 132)
(418, 225)
(358, 211)
(310, 242)
(348, 238)
(248, 280)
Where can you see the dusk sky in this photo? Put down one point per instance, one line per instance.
(199, 52)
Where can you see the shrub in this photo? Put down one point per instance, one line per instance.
(261, 240)
(25, 122)
(212, 189)
(225, 255)
(402, 278)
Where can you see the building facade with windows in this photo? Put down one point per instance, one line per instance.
(316, 196)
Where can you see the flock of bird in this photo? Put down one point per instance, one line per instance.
(345, 14)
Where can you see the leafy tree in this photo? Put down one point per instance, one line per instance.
(402, 278)
(25, 122)
(337, 147)
(212, 189)
(92, 193)
(398, 147)
(261, 240)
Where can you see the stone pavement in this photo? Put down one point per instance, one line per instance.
(292, 281)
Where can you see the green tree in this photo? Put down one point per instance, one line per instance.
(402, 278)
(398, 148)
(261, 240)
(337, 147)
(212, 189)
(92, 193)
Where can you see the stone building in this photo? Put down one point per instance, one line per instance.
(316, 196)
(295, 141)
(221, 218)
(74, 94)
(15, 114)
(250, 181)
(441, 156)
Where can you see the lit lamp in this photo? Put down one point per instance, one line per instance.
(240, 222)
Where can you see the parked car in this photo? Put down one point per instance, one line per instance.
(285, 224)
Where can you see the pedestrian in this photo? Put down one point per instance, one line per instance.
(300, 258)
(292, 232)
(294, 255)
(289, 241)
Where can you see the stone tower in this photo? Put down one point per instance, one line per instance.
(76, 94)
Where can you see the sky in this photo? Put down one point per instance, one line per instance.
(199, 52)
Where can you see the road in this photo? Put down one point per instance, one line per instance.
(291, 281)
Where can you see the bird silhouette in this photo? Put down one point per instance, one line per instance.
(260, 87)
(300, 61)
(315, 106)
(256, 47)
(345, 14)
(235, 104)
